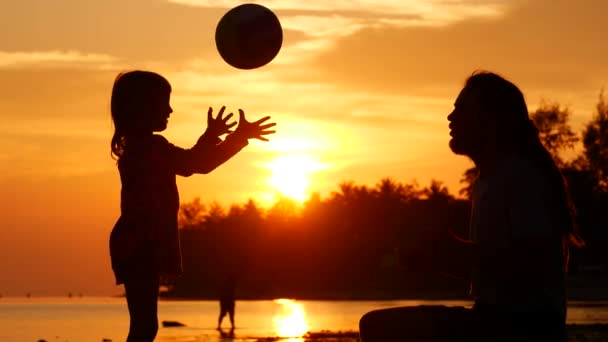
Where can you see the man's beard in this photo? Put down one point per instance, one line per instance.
(465, 147)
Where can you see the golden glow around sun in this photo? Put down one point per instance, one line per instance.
(291, 321)
(290, 175)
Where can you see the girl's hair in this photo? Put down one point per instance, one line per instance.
(133, 95)
(506, 103)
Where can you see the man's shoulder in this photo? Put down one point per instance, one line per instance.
(518, 169)
(523, 175)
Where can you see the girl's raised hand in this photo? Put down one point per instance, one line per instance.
(219, 125)
(253, 130)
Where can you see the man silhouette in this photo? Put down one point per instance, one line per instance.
(520, 230)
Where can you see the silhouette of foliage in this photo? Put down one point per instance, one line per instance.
(437, 191)
(468, 179)
(390, 240)
(554, 130)
(334, 247)
(387, 241)
(192, 214)
(595, 142)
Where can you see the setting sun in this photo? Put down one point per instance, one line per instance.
(290, 175)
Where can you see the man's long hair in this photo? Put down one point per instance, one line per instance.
(518, 133)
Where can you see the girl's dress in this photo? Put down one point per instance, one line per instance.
(145, 239)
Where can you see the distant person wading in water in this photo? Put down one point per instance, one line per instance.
(144, 244)
(227, 301)
(520, 231)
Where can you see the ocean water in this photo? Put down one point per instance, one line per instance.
(95, 319)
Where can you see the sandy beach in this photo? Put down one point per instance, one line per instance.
(576, 333)
(94, 320)
(588, 332)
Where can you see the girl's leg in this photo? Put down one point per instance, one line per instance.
(142, 300)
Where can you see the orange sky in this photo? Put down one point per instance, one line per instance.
(360, 91)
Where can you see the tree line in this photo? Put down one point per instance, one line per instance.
(390, 240)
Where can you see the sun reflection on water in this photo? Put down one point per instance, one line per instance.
(291, 321)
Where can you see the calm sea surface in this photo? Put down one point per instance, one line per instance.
(95, 319)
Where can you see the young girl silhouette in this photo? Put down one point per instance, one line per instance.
(144, 244)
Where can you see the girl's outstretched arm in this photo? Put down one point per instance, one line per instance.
(210, 152)
(236, 141)
(253, 130)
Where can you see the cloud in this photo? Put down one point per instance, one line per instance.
(419, 11)
(324, 26)
(552, 47)
(311, 100)
(35, 155)
(134, 30)
(55, 58)
(322, 22)
(177, 30)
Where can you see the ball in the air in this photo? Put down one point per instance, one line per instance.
(249, 36)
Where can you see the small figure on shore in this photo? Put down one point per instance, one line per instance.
(227, 302)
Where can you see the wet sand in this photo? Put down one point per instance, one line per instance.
(576, 333)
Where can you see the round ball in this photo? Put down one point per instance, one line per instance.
(249, 36)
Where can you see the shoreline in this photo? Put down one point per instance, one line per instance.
(575, 332)
(596, 332)
(599, 300)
